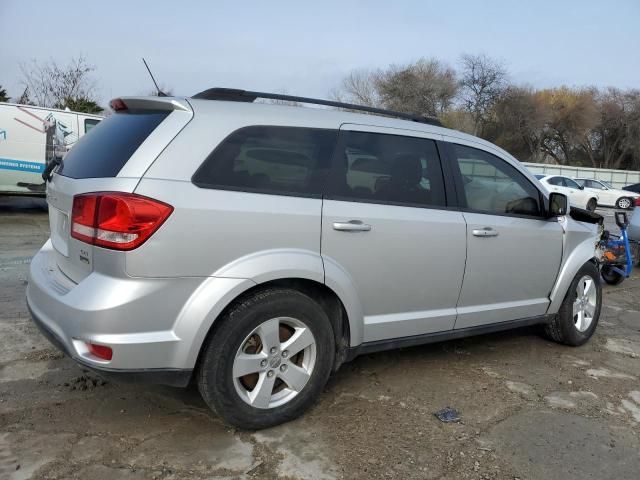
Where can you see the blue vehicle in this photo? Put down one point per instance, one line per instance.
(619, 253)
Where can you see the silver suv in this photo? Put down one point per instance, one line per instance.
(254, 247)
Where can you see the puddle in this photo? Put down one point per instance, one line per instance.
(633, 406)
(606, 373)
(524, 390)
(570, 400)
(624, 346)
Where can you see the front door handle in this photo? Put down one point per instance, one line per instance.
(485, 232)
(351, 226)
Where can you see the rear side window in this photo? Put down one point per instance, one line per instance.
(393, 169)
(556, 181)
(108, 146)
(266, 159)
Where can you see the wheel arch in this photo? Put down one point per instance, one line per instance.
(325, 296)
(583, 253)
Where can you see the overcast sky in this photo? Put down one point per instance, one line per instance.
(305, 48)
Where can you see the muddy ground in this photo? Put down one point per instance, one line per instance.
(530, 409)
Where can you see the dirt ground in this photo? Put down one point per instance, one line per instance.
(530, 409)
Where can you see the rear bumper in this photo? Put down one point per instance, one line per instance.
(154, 326)
(171, 377)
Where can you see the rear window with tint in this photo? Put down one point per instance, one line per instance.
(278, 160)
(104, 150)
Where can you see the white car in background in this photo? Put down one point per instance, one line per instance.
(578, 195)
(607, 195)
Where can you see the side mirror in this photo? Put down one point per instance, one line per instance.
(558, 204)
(581, 187)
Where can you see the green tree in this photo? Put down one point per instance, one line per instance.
(80, 104)
(3, 95)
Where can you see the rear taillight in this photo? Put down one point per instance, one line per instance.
(119, 221)
(638, 202)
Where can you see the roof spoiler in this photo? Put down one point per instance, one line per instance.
(123, 104)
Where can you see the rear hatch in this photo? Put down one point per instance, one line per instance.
(112, 157)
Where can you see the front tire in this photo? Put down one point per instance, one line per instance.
(268, 359)
(578, 316)
(610, 276)
(624, 203)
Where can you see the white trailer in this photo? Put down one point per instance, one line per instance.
(30, 137)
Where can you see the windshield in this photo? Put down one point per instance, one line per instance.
(608, 185)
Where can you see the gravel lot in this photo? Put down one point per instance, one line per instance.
(530, 409)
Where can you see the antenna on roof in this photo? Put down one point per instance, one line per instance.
(160, 92)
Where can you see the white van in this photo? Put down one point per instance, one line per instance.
(30, 137)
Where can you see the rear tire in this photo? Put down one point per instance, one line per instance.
(610, 276)
(625, 203)
(592, 204)
(246, 331)
(572, 326)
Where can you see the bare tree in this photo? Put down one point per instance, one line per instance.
(52, 85)
(519, 123)
(615, 139)
(573, 115)
(425, 87)
(482, 82)
(358, 87)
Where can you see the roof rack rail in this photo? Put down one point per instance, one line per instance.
(237, 95)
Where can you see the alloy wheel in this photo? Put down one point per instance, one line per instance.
(584, 306)
(274, 362)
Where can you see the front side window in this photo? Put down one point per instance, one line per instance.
(381, 168)
(278, 160)
(491, 185)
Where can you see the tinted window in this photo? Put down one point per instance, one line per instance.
(556, 181)
(491, 185)
(285, 160)
(104, 151)
(89, 123)
(539, 176)
(388, 169)
(570, 183)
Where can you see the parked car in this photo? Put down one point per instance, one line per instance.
(578, 196)
(608, 196)
(633, 188)
(255, 247)
(633, 230)
(31, 138)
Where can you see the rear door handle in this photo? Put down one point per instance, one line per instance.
(351, 226)
(485, 232)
